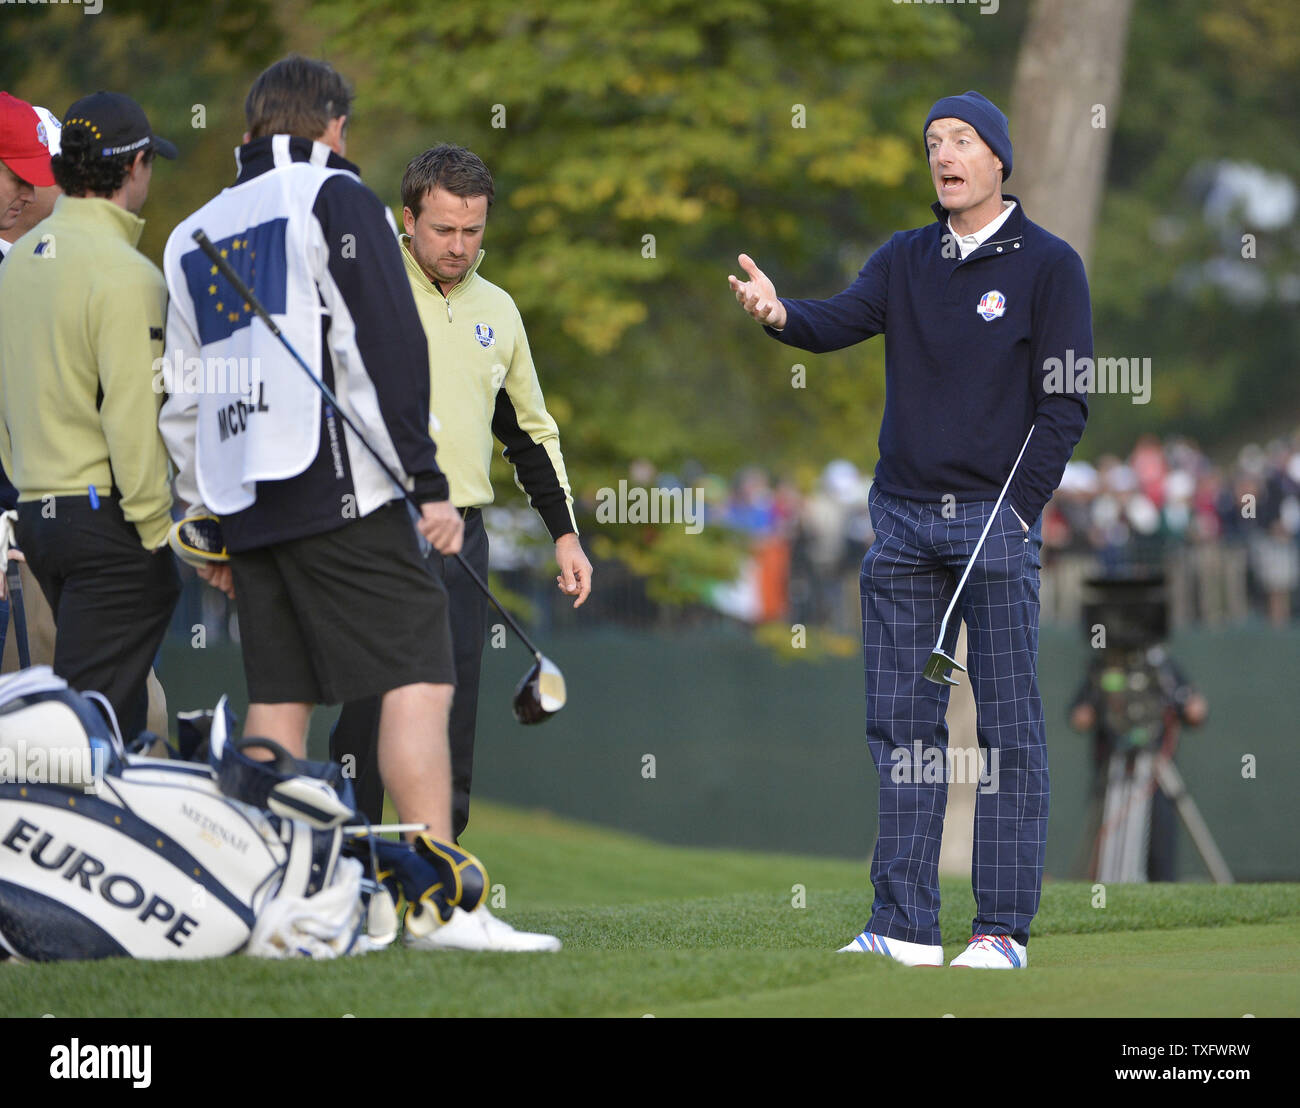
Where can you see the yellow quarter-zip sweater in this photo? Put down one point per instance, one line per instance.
(81, 322)
(484, 383)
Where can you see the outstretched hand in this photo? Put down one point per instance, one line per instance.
(757, 295)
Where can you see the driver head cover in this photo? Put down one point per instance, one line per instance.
(198, 541)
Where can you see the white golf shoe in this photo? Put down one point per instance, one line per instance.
(992, 952)
(909, 954)
(476, 930)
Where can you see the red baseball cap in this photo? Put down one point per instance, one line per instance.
(23, 141)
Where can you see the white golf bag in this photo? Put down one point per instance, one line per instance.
(105, 853)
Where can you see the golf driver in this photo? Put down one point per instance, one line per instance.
(936, 669)
(541, 693)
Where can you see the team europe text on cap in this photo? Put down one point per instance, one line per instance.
(117, 123)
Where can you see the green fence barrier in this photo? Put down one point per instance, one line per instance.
(711, 739)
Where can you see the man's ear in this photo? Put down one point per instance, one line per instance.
(408, 220)
(335, 135)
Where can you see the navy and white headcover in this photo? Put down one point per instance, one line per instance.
(315, 792)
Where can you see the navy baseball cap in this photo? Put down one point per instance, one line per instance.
(118, 124)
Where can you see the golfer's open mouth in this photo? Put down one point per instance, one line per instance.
(951, 181)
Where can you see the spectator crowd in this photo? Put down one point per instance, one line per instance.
(1228, 536)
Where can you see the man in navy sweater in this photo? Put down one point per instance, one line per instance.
(974, 308)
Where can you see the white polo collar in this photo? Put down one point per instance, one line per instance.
(973, 241)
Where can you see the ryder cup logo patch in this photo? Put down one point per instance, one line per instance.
(992, 304)
(485, 335)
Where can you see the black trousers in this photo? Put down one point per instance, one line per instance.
(357, 731)
(112, 600)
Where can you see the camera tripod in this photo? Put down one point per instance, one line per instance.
(1133, 775)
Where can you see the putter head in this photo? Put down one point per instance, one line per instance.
(540, 693)
(936, 669)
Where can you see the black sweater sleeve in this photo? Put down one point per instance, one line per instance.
(8, 494)
(534, 468)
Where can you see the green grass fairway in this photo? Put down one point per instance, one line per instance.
(674, 931)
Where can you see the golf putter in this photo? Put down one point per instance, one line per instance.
(541, 693)
(936, 669)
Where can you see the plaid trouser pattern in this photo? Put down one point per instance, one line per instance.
(908, 577)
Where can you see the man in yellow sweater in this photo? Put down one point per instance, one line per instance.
(484, 384)
(81, 322)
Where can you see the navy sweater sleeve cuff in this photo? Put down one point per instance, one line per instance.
(796, 332)
(429, 487)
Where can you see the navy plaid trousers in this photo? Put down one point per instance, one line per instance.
(908, 577)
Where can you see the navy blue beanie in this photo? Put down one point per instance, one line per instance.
(982, 114)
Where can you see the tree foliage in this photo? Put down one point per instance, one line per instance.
(1204, 84)
(637, 148)
(639, 145)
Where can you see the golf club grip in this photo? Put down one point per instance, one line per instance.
(214, 256)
